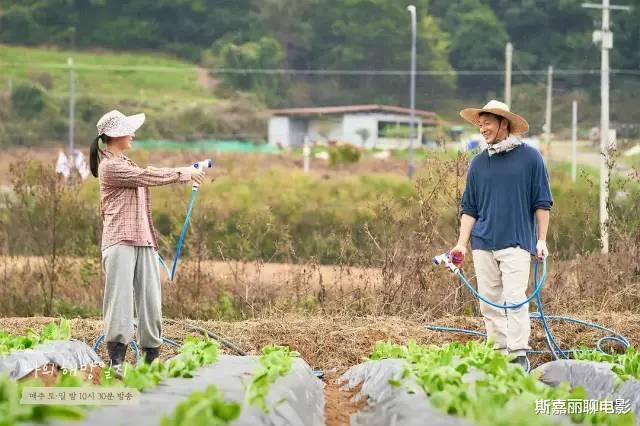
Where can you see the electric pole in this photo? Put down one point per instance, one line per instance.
(507, 79)
(412, 91)
(604, 38)
(547, 128)
(574, 139)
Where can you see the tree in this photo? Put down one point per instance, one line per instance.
(478, 44)
(28, 101)
(265, 53)
(364, 135)
(289, 21)
(17, 25)
(376, 35)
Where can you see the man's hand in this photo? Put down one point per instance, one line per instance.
(541, 249)
(457, 254)
(196, 175)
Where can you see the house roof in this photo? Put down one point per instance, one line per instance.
(351, 109)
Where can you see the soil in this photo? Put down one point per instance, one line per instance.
(339, 404)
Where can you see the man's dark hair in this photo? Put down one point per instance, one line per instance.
(497, 117)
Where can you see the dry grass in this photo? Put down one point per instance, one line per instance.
(337, 342)
(256, 289)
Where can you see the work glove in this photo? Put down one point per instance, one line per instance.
(541, 249)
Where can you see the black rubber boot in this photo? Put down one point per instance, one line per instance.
(522, 361)
(150, 354)
(117, 352)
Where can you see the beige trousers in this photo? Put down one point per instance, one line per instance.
(503, 277)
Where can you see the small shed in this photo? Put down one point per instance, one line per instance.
(366, 126)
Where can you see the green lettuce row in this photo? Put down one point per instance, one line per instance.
(501, 394)
(626, 365)
(206, 407)
(275, 362)
(209, 406)
(52, 331)
(195, 352)
(13, 412)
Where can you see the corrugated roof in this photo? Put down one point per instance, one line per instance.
(350, 109)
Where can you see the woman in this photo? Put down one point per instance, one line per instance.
(129, 242)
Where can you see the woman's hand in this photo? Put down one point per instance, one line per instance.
(196, 175)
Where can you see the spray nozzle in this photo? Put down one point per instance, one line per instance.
(204, 164)
(444, 259)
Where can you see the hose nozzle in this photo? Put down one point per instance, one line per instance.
(443, 259)
(204, 164)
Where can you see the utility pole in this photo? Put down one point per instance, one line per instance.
(412, 91)
(72, 108)
(604, 38)
(547, 128)
(574, 139)
(306, 154)
(72, 30)
(507, 79)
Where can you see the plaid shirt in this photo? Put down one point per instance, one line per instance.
(123, 197)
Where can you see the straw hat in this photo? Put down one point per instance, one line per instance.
(115, 124)
(518, 124)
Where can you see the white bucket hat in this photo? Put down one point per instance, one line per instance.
(115, 124)
(518, 124)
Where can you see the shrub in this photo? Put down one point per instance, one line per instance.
(344, 154)
(28, 100)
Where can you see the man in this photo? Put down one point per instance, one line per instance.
(505, 214)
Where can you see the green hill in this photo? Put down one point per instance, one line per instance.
(176, 95)
(105, 75)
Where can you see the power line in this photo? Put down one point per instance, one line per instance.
(291, 71)
(521, 71)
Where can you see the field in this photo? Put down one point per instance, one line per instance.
(315, 290)
(335, 266)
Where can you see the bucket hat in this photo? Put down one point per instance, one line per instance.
(115, 124)
(518, 124)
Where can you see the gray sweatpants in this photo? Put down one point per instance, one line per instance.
(132, 276)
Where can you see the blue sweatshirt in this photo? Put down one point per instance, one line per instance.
(503, 192)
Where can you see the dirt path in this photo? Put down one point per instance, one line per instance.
(339, 404)
(586, 155)
(205, 80)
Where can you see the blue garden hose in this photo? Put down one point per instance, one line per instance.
(171, 274)
(554, 347)
(134, 346)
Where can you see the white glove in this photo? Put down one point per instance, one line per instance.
(541, 249)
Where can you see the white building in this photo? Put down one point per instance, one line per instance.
(366, 126)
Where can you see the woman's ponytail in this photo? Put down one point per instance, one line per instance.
(94, 159)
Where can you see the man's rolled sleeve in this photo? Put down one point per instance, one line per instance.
(469, 205)
(541, 193)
